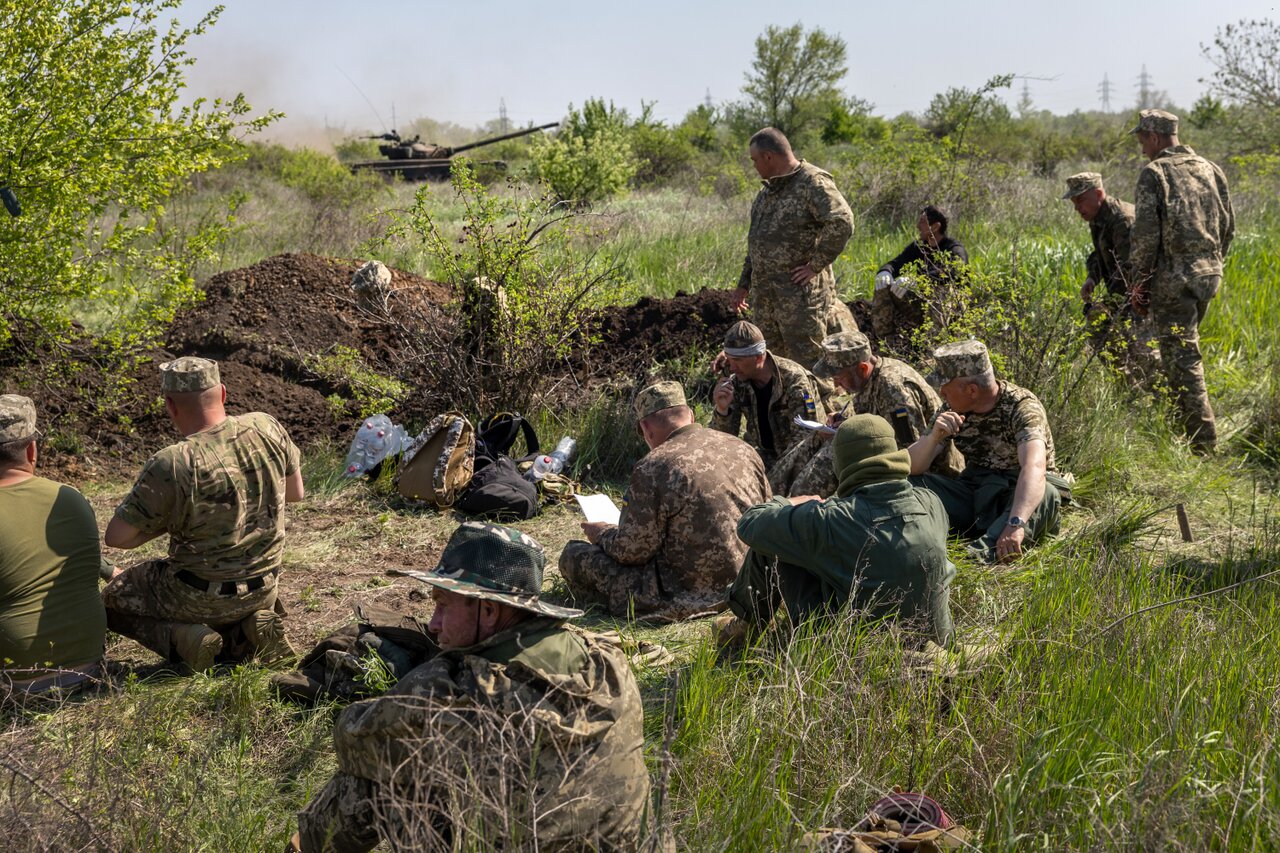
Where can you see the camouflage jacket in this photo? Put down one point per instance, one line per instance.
(535, 733)
(1108, 263)
(795, 392)
(991, 439)
(900, 395)
(220, 495)
(1183, 222)
(796, 219)
(682, 509)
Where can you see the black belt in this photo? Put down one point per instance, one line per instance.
(219, 588)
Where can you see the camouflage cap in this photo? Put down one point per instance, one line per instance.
(840, 351)
(186, 374)
(659, 396)
(1156, 121)
(1082, 183)
(494, 563)
(962, 358)
(744, 340)
(17, 418)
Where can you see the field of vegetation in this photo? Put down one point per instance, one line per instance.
(1126, 696)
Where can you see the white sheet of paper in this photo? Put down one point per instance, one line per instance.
(599, 508)
(815, 426)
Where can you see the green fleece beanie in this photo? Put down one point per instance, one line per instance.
(865, 453)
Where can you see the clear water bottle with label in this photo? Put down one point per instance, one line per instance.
(553, 462)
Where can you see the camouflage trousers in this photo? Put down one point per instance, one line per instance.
(1176, 311)
(896, 315)
(807, 468)
(341, 818)
(146, 602)
(596, 578)
(795, 319)
(923, 603)
(1123, 340)
(978, 504)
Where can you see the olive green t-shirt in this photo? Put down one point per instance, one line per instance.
(50, 611)
(220, 495)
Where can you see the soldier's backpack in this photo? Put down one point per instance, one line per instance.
(439, 462)
(497, 490)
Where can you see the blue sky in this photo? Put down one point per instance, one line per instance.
(457, 60)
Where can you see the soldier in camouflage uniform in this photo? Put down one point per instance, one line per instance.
(881, 386)
(521, 733)
(767, 391)
(1118, 333)
(220, 495)
(800, 224)
(676, 547)
(1182, 229)
(1003, 496)
(879, 543)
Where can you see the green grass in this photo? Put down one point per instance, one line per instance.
(1095, 726)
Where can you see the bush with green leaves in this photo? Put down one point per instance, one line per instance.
(591, 158)
(95, 140)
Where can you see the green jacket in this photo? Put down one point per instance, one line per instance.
(884, 535)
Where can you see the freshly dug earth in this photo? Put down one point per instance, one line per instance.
(265, 324)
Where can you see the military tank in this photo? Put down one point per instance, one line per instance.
(415, 160)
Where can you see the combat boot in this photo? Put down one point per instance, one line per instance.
(731, 633)
(197, 645)
(265, 630)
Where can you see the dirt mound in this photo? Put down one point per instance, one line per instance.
(633, 336)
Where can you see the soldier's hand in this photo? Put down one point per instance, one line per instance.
(722, 397)
(804, 499)
(947, 425)
(884, 278)
(1009, 545)
(738, 300)
(803, 275)
(593, 529)
(720, 363)
(900, 286)
(1086, 290)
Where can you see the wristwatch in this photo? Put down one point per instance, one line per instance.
(1014, 521)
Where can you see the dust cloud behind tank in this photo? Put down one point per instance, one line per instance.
(415, 160)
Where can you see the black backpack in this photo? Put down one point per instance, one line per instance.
(497, 490)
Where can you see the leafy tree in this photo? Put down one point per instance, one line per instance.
(794, 76)
(850, 120)
(1206, 112)
(591, 157)
(1246, 60)
(93, 141)
(951, 112)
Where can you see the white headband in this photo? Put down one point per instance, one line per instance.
(746, 352)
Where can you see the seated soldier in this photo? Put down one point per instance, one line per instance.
(521, 728)
(917, 279)
(1003, 496)
(768, 391)
(675, 548)
(52, 625)
(881, 386)
(220, 495)
(880, 543)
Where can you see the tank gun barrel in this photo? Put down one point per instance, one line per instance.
(524, 132)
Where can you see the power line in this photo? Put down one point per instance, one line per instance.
(502, 114)
(1144, 89)
(707, 100)
(1104, 89)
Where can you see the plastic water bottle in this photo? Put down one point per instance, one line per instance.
(553, 462)
(376, 439)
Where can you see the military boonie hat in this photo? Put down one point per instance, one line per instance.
(744, 340)
(1156, 121)
(17, 418)
(1082, 183)
(960, 359)
(841, 350)
(659, 396)
(494, 563)
(186, 374)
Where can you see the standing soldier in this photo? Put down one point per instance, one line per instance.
(800, 224)
(676, 546)
(1116, 331)
(1182, 230)
(767, 391)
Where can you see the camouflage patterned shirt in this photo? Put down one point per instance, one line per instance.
(1108, 263)
(682, 508)
(795, 392)
(991, 439)
(796, 219)
(900, 395)
(1183, 222)
(548, 714)
(220, 495)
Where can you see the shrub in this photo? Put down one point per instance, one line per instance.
(590, 158)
